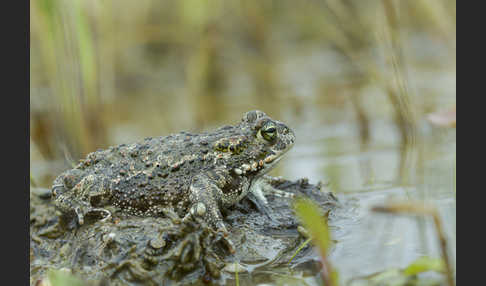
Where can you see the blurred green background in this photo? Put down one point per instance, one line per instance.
(356, 80)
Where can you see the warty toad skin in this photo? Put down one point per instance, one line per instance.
(192, 174)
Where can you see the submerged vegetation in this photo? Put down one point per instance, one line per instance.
(368, 86)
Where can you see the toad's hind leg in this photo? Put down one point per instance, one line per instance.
(205, 197)
(81, 212)
(79, 208)
(79, 200)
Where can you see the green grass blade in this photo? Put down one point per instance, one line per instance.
(308, 212)
(424, 264)
(299, 249)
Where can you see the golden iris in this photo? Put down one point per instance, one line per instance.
(269, 131)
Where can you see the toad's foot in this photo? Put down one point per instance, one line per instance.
(78, 200)
(78, 208)
(199, 210)
(264, 186)
(189, 246)
(196, 214)
(81, 213)
(82, 210)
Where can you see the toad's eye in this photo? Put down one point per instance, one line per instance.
(269, 131)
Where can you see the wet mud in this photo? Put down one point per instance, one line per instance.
(131, 250)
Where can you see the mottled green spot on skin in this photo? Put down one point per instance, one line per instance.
(221, 145)
(235, 145)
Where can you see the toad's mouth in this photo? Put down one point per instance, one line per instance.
(270, 164)
(271, 161)
(263, 166)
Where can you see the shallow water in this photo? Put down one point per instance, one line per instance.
(369, 242)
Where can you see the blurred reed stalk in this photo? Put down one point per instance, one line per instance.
(263, 55)
(206, 79)
(358, 33)
(421, 209)
(398, 92)
(70, 72)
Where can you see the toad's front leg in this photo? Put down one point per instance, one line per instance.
(205, 196)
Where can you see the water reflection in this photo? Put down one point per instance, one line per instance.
(369, 174)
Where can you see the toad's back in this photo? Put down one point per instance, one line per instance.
(154, 172)
(158, 171)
